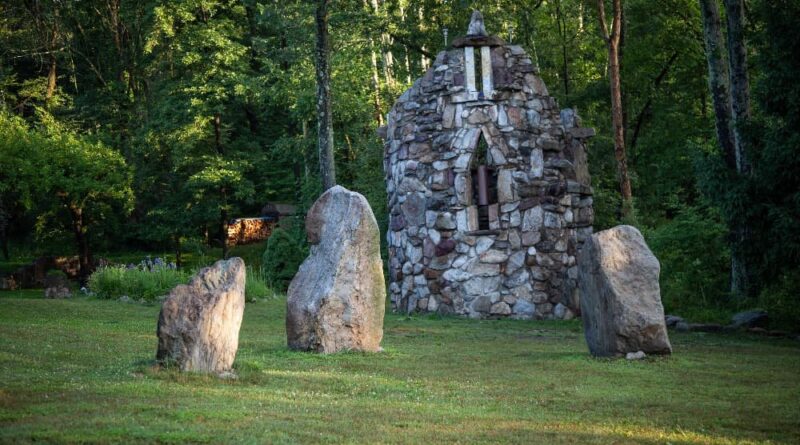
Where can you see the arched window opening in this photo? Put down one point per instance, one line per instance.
(484, 183)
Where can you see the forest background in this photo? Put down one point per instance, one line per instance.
(147, 125)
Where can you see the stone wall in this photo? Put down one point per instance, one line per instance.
(522, 265)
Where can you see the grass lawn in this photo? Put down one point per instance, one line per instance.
(80, 371)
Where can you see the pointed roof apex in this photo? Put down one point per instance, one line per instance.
(476, 27)
(477, 35)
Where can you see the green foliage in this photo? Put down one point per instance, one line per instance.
(780, 299)
(77, 186)
(169, 117)
(767, 200)
(116, 281)
(694, 260)
(285, 251)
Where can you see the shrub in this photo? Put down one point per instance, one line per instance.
(695, 260)
(148, 283)
(780, 300)
(282, 257)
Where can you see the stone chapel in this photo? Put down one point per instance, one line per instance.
(488, 186)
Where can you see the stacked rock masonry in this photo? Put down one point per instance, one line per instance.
(488, 185)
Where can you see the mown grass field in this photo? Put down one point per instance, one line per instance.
(81, 371)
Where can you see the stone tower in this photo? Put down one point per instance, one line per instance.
(489, 190)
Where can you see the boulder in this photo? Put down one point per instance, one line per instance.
(672, 320)
(337, 299)
(620, 297)
(57, 287)
(704, 327)
(198, 327)
(638, 355)
(750, 319)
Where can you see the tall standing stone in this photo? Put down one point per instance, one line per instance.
(198, 327)
(337, 299)
(620, 297)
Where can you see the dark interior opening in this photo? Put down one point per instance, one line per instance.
(478, 71)
(484, 184)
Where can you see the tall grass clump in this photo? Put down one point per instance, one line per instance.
(256, 285)
(148, 281)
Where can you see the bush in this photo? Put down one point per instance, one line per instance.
(115, 281)
(282, 257)
(695, 261)
(780, 300)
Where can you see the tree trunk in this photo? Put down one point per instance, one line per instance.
(562, 31)
(324, 117)
(217, 121)
(730, 94)
(79, 229)
(645, 111)
(740, 86)
(51, 78)
(741, 284)
(386, 52)
(4, 218)
(613, 43)
(178, 257)
(223, 227)
(718, 79)
(4, 241)
(52, 48)
(376, 82)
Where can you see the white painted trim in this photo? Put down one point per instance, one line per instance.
(486, 71)
(469, 67)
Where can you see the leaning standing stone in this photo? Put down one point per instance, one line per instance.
(337, 299)
(198, 328)
(620, 297)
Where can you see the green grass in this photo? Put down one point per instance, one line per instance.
(80, 370)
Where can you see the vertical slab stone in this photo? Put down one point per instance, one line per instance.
(472, 218)
(505, 186)
(620, 297)
(336, 300)
(198, 327)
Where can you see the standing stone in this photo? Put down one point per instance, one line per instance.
(620, 297)
(336, 300)
(198, 327)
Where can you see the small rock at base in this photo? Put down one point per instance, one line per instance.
(672, 320)
(750, 319)
(638, 355)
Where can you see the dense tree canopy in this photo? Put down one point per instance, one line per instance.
(191, 112)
